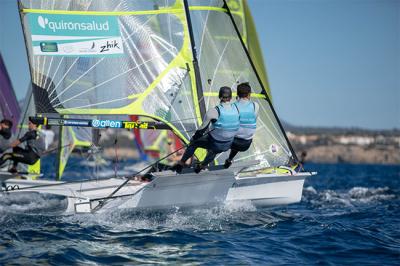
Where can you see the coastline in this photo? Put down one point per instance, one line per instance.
(355, 146)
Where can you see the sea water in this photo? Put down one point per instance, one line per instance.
(349, 214)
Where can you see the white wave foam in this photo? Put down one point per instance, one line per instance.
(350, 198)
(310, 189)
(206, 218)
(31, 203)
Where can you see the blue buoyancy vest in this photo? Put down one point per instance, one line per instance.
(227, 124)
(248, 119)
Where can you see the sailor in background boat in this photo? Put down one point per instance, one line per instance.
(223, 121)
(35, 146)
(5, 133)
(164, 145)
(248, 111)
(169, 163)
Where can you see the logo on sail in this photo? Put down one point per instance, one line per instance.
(106, 123)
(75, 35)
(273, 148)
(43, 22)
(72, 25)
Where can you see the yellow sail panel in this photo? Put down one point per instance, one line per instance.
(245, 23)
(71, 138)
(253, 45)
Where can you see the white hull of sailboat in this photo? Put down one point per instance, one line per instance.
(270, 190)
(170, 190)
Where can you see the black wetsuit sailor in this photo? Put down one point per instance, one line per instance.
(5, 134)
(35, 146)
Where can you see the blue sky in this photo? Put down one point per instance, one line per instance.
(332, 62)
(329, 62)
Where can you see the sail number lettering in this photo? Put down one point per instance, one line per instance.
(132, 125)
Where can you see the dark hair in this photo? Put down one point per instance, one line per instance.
(225, 92)
(243, 89)
(33, 120)
(7, 122)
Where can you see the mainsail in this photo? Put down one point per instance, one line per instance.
(224, 60)
(9, 107)
(148, 141)
(163, 60)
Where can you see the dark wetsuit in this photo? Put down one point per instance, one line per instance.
(224, 120)
(5, 135)
(248, 117)
(19, 155)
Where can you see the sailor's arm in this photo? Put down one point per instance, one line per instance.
(28, 136)
(15, 143)
(211, 116)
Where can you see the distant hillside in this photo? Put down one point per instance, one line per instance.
(338, 130)
(349, 145)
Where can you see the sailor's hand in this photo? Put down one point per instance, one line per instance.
(15, 143)
(196, 136)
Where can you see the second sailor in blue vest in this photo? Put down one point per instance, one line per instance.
(248, 111)
(223, 121)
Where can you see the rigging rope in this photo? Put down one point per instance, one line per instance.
(116, 155)
(104, 201)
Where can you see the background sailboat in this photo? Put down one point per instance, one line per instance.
(9, 107)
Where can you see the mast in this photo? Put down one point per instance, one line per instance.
(260, 81)
(199, 86)
(59, 149)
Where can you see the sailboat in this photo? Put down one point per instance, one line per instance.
(163, 60)
(9, 107)
(68, 138)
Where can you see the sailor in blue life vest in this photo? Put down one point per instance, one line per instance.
(35, 146)
(223, 121)
(248, 111)
(5, 134)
